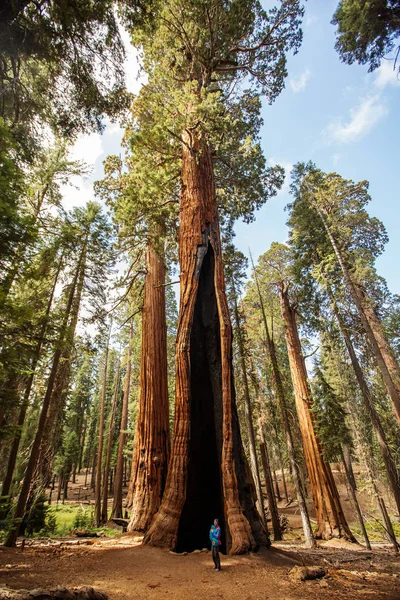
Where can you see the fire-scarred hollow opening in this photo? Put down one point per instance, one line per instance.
(204, 495)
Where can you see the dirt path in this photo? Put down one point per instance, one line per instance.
(142, 572)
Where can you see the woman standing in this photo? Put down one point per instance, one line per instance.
(215, 537)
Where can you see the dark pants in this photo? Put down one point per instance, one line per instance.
(215, 555)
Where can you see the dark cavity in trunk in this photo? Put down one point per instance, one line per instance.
(204, 497)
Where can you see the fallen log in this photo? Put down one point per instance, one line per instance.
(306, 573)
(58, 593)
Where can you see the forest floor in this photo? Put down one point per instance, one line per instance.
(124, 569)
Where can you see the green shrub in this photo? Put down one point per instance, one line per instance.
(36, 520)
(84, 519)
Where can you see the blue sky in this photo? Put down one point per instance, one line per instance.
(340, 116)
(345, 120)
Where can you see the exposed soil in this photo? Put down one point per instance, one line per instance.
(126, 570)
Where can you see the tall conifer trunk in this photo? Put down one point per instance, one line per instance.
(34, 455)
(207, 476)
(99, 459)
(248, 409)
(269, 486)
(390, 464)
(351, 486)
(152, 440)
(27, 392)
(331, 521)
(281, 398)
(119, 467)
(53, 427)
(380, 347)
(104, 510)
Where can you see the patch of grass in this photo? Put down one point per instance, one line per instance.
(68, 517)
(375, 530)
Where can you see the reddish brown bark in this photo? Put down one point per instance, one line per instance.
(278, 388)
(331, 521)
(207, 474)
(119, 467)
(152, 440)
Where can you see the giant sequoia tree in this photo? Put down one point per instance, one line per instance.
(143, 192)
(197, 55)
(331, 521)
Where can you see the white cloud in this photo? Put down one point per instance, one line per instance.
(87, 148)
(77, 193)
(386, 75)
(113, 128)
(133, 77)
(361, 120)
(336, 158)
(299, 83)
(79, 190)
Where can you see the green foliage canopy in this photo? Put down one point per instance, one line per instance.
(367, 30)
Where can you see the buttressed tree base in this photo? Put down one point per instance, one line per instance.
(208, 475)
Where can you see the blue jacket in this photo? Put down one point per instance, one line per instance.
(215, 534)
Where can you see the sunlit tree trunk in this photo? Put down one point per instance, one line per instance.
(282, 403)
(391, 468)
(119, 467)
(331, 521)
(248, 408)
(99, 460)
(152, 443)
(207, 476)
(104, 510)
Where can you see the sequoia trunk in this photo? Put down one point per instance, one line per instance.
(208, 475)
(331, 521)
(152, 440)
